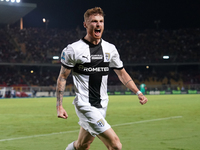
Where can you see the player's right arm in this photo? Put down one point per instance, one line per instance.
(60, 88)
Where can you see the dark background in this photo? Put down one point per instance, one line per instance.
(120, 14)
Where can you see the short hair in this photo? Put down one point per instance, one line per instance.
(92, 11)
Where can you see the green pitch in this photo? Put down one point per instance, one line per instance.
(166, 122)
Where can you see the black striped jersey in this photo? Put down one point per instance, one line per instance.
(90, 66)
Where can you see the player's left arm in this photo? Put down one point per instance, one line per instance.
(125, 78)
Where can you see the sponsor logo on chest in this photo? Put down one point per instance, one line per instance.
(92, 69)
(95, 57)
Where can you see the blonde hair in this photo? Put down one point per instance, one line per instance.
(92, 11)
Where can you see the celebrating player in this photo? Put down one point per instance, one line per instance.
(90, 59)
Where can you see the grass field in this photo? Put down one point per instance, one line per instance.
(166, 122)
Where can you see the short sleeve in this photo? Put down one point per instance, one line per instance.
(68, 57)
(115, 62)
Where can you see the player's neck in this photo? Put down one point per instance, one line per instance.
(92, 40)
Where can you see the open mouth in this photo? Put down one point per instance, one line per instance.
(97, 31)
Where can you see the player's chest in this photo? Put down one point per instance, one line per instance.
(93, 54)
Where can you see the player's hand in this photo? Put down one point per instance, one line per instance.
(61, 113)
(142, 98)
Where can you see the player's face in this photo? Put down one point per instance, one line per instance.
(95, 26)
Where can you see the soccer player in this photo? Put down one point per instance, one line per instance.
(143, 88)
(90, 59)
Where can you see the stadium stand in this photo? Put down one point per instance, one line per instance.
(33, 48)
(147, 46)
(26, 54)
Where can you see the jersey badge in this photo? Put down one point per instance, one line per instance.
(100, 123)
(107, 56)
(63, 56)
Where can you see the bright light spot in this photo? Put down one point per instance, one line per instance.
(55, 57)
(12, 1)
(165, 57)
(147, 67)
(7, 0)
(2, 0)
(18, 1)
(44, 20)
(32, 71)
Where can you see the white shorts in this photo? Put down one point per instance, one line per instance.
(92, 119)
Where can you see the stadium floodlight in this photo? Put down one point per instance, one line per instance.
(55, 57)
(44, 20)
(18, 1)
(7, 0)
(12, 1)
(165, 57)
(2, 0)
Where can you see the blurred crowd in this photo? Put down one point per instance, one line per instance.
(47, 76)
(38, 45)
(34, 45)
(149, 46)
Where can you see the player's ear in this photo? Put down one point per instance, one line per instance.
(84, 24)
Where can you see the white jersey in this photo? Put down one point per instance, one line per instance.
(90, 66)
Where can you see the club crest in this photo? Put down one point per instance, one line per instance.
(100, 123)
(107, 56)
